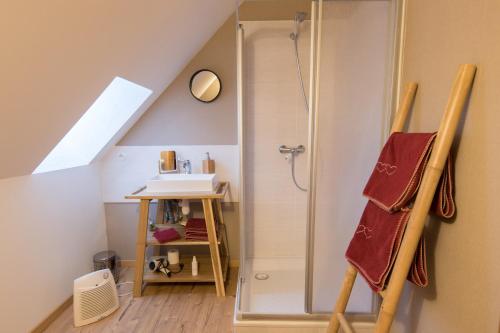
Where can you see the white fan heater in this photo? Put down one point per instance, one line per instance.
(94, 297)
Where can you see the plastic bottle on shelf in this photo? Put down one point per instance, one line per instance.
(194, 266)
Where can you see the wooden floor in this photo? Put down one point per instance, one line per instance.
(188, 308)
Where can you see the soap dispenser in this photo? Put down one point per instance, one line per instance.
(208, 165)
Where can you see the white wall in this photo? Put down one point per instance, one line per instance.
(274, 115)
(51, 226)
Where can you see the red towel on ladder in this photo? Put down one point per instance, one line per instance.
(391, 190)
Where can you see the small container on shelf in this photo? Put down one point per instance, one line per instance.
(194, 266)
(208, 165)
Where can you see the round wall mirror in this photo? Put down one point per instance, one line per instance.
(205, 85)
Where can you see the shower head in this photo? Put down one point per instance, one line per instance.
(299, 18)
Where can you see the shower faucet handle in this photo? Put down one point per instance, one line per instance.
(283, 149)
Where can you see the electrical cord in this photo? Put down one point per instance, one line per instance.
(122, 283)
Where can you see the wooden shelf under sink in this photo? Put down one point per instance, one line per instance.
(205, 271)
(212, 268)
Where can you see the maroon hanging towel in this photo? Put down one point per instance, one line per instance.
(391, 190)
(399, 171)
(375, 245)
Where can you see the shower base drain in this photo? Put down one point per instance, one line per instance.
(261, 276)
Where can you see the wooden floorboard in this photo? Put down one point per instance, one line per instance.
(164, 308)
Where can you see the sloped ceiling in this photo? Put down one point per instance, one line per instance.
(57, 57)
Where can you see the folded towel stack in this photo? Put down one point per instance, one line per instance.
(166, 235)
(391, 190)
(196, 229)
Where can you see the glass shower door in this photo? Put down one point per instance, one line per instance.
(293, 242)
(350, 117)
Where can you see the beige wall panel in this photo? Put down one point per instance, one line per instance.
(273, 9)
(464, 262)
(58, 56)
(177, 117)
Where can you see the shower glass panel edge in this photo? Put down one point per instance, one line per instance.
(316, 16)
(240, 33)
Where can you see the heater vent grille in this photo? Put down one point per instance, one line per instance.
(95, 297)
(97, 301)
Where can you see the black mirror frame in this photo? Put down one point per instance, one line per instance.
(191, 84)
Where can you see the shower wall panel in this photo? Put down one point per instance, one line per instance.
(274, 115)
(352, 80)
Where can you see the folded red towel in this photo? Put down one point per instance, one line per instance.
(196, 229)
(375, 244)
(166, 235)
(196, 223)
(399, 170)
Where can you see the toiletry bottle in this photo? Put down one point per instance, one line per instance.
(194, 266)
(184, 204)
(208, 165)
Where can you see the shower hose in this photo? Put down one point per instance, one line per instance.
(303, 90)
(293, 174)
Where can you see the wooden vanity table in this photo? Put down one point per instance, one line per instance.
(212, 268)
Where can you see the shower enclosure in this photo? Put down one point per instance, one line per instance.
(313, 98)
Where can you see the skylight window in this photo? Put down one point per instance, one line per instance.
(110, 111)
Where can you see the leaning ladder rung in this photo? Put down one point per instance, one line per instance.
(346, 326)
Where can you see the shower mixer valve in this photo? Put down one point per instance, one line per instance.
(292, 150)
(290, 153)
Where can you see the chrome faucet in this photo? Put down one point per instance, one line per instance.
(185, 166)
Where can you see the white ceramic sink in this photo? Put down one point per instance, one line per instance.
(175, 182)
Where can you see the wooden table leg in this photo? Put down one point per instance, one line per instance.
(218, 205)
(214, 247)
(160, 219)
(160, 212)
(140, 248)
(219, 210)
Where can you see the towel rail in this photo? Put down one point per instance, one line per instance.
(460, 92)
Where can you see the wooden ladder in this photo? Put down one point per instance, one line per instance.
(449, 122)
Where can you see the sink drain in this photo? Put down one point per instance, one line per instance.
(262, 276)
